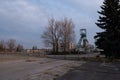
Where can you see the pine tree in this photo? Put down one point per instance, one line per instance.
(109, 21)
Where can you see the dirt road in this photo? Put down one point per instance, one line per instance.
(24, 69)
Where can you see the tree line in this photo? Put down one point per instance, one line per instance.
(59, 34)
(10, 45)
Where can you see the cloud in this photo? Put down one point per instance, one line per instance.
(25, 20)
(20, 20)
(20, 11)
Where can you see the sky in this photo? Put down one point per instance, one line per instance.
(25, 20)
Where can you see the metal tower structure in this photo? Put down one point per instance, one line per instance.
(83, 42)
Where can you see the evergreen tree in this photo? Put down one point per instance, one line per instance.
(109, 21)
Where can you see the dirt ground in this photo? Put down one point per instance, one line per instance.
(31, 68)
(4, 58)
(94, 71)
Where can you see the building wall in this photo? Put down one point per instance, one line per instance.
(36, 51)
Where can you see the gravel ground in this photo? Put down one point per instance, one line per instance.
(94, 71)
(36, 69)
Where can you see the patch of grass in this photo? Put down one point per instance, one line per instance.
(4, 58)
(99, 59)
(46, 73)
(41, 62)
(57, 75)
(30, 60)
(90, 59)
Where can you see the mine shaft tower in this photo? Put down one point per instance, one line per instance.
(83, 42)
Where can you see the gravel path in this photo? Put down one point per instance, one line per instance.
(25, 69)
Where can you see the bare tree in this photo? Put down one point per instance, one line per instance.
(34, 48)
(51, 34)
(68, 35)
(11, 44)
(2, 45)
(19, 48)
(59, 32)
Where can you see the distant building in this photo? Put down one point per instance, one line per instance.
(37, 50)
(69, 47)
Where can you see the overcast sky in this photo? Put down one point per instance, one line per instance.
(25, 20)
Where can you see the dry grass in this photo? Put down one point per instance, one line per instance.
(4, 58)
(30, 60)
